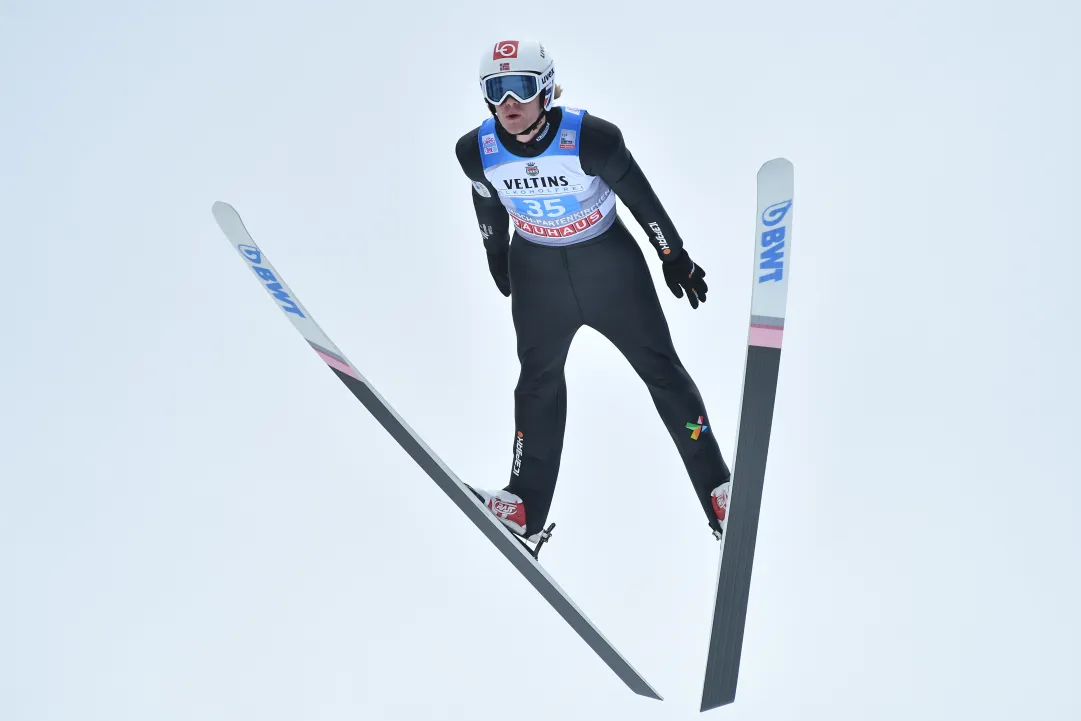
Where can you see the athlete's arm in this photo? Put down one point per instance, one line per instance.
(491, 214)
(603, 153)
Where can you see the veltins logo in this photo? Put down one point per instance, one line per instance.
(272, 283)
(505, 49)
(697, 428)
(532, 170)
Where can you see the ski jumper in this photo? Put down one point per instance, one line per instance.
(572, 262)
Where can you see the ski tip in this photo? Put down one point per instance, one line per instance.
(227, 218)
(779, 163)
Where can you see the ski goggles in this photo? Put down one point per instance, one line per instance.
(523, 87)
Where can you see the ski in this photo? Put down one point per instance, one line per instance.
(514, 549)
(772, 256)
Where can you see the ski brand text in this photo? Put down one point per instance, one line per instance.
(270, 281)
(518, 445)
(771, 259)
(662, 242)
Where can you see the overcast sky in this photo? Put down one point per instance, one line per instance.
(198, 521)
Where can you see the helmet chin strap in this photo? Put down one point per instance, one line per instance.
(543, 117)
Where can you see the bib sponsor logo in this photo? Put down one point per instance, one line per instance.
(548, 181)
(566, 139)
(562, 232)
(488, 141)
(532, 170)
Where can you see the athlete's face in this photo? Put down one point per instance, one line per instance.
(516, 117)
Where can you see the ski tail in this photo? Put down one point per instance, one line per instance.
(769, 296)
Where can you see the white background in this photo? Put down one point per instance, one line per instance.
(198, 521)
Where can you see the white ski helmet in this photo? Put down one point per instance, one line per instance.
(519, 68)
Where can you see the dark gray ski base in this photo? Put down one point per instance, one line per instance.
(748, 477)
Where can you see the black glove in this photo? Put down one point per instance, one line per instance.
(683, 274)
(500, 268)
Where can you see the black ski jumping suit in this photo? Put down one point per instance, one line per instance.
(602, 282)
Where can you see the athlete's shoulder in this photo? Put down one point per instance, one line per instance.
(601, 144)
(467, 144)
(468, 151)
(600, 129)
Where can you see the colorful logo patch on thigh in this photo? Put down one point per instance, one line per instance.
(697, 428)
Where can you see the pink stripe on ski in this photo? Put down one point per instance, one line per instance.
(335, 363)
(766, 336)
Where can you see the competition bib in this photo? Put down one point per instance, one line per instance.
(549, 198)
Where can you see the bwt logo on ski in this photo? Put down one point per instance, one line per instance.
(272, 284)
(518, 452)
(772, 257)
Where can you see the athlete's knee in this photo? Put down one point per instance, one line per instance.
(661, 370)
(538, 379)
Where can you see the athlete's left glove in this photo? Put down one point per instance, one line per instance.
(683, 274)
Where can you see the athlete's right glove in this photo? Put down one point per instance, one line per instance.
(499, 265)
(683, 274)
